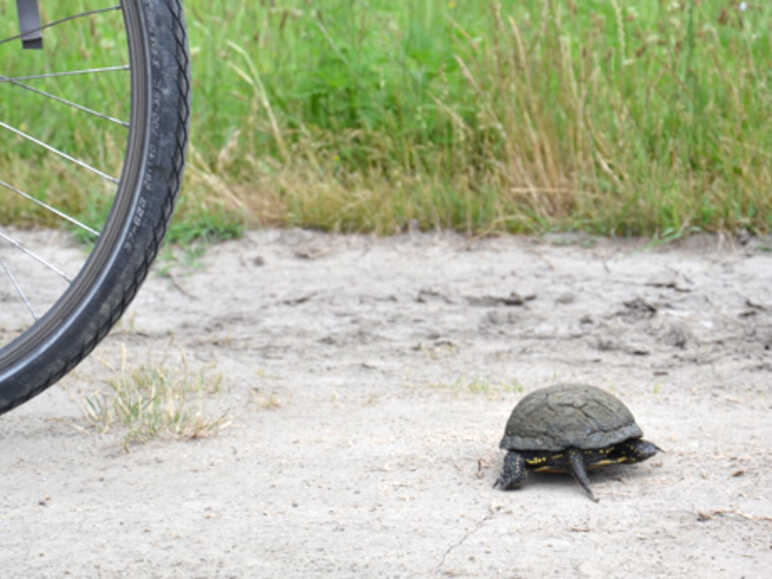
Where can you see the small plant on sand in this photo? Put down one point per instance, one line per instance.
(152, 401)
(492, 388)
(265, 400)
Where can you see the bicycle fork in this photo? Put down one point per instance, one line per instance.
(29, 23)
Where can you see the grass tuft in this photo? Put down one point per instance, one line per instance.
(492, 389)
(149, 401)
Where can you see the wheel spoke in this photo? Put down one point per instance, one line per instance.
(18, 245)
(65, 101)
(117, 68)
(62, 21)
(50, 208)
(17, 287)
(62, 154)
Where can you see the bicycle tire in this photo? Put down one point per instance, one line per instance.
(144, 202)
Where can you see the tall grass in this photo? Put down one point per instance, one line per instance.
(639, 117)
(623, 118)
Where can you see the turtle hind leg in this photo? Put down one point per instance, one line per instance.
(513, 472)
(576, 466)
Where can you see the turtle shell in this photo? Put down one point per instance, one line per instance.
(568, 415)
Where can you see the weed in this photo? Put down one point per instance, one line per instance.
(265, 401)
(152, 401)
(491, 388)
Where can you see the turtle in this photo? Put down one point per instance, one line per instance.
(568, 428)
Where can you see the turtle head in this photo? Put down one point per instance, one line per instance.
(639, 450)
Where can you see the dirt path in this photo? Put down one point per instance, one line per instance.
(369, 381)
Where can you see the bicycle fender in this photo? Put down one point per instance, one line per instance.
(29, 23)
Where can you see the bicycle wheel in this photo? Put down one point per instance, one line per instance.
(99, 114)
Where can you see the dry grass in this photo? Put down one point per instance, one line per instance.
(149, 401)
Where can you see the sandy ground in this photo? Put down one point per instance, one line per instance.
(368, 382)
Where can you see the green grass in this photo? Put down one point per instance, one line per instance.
(622, 118)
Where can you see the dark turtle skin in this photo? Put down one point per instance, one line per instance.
(569, 428)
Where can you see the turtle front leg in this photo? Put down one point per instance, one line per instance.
(576, 467)
(513, 472)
